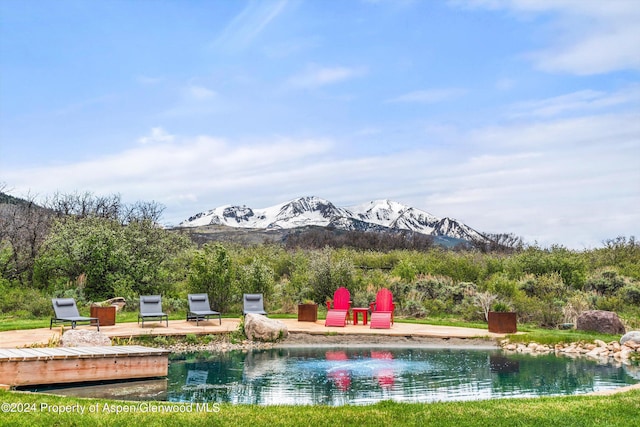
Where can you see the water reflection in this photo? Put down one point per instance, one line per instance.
(361, 376)
(338, 376)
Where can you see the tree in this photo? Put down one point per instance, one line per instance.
(211, 272)
(23, 228)
(257, 277)
(327, 275)
(116, 260)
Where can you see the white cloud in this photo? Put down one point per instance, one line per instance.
(581, 101)
(248, 24)
(147, 80)
(572, 181)
(430, 96)
(157, 134)
(315, 76)
(588, 37)
(200, 92)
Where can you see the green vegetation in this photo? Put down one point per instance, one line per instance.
(617, 410)
(92, 248)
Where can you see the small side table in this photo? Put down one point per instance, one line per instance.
(365, 313)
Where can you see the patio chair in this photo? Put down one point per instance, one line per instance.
(200, 309)
(337, 316)
(151, 309)
(382, 310)
(66, 310)
(253, 303)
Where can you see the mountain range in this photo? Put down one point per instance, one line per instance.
(377, 215)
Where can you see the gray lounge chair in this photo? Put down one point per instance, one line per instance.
(199, 308)
(253, 303)
(151, 309)
(66, 310)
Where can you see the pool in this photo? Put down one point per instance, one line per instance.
(338, 376)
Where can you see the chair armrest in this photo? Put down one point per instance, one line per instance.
(329, 305)
(372, 306)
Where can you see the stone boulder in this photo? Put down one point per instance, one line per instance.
(606, 322)
(260, 328)
(631, 336)
(83, 338)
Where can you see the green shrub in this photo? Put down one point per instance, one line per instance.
(502, 285)
(611, 303)
(630, 294)
(433, 307)
(406, 270)
(605, 282)
(500, 307)
(28, 302)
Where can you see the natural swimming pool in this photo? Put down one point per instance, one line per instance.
(364, 375)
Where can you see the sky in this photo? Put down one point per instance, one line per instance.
(512, 116)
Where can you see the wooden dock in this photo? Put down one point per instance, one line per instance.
(32, 366)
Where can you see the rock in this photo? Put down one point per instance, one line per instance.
(83, 338)
(631, 336)
(260, 328)
(600, 343)
(606, 322)
(118, 302)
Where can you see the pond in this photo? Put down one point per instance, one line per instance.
(339, 376)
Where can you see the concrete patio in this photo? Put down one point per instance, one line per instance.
(42, 336)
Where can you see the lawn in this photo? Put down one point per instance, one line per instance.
(24, 409)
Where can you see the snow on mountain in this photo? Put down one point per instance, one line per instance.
(314, 211)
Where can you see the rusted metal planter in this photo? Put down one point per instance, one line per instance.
(106, 315)
(307, 312)
(502, 322)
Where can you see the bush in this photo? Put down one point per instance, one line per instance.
(630, 294)
(546, 287)
(502, 285)
(27, 301)
(605, 282)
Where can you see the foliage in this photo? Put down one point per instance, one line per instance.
(211, 271)
(606, 281)
(91, 248)
(500, 307)
(112, 259)
(256, 278)
(484, 300)
(327, 274)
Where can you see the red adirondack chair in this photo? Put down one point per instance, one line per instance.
(384, 374)
(337, 315)
(338, 374)
(382, 310)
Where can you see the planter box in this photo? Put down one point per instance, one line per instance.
(502, 323)
(106, 315)
(307, 312)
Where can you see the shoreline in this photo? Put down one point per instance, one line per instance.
(302, 339)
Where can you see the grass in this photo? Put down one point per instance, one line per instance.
(44, 410)
(554, 336)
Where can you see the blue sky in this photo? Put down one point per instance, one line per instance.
(519, 116)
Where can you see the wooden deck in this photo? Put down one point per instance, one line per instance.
(30, 366)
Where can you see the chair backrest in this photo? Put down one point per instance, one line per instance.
(150, 304)
(384, 300)
(341, 299)
(199, 302)
(65, 307)
(253, 302)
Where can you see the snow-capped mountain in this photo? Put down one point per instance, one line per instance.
(314, 211)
